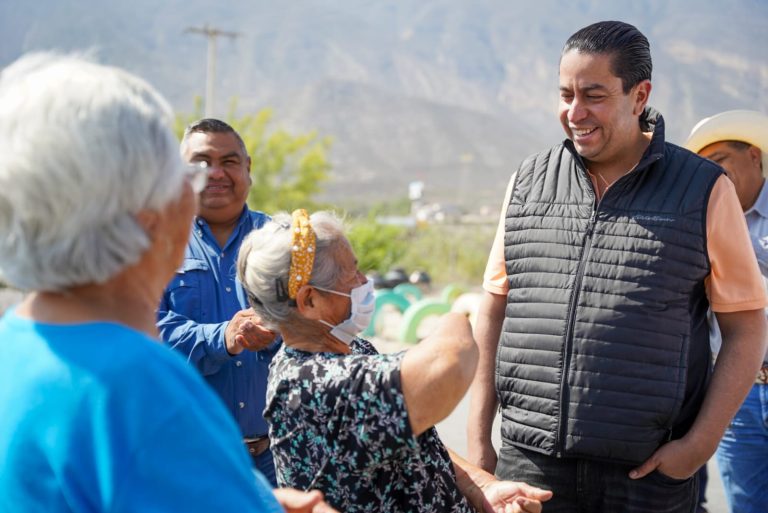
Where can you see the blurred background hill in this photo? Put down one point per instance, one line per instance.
(449, 92)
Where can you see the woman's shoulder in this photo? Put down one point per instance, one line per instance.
(293, 364)
(103, 351)
(106, 370)
(123, 363)
(303, 376)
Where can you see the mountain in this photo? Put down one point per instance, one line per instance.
(450, 92)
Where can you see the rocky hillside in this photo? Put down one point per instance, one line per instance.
(450, 92)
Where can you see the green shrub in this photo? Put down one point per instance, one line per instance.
(378, 247)
(449, 253)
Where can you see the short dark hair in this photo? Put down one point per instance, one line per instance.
(629, 49)
(215, 126)
(739, 145)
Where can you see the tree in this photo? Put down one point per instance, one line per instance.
(378, 247)
(288, 170)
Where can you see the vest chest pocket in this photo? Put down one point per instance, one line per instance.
(185, 290)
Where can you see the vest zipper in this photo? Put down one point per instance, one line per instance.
(562, 422)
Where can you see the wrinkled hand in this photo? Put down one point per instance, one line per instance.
(676, 459)
(245, 331)
(296, 501)
(483, 455)
(513, 497)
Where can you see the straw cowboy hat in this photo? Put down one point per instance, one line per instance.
(747, 126)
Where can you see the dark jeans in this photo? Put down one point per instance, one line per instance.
(703, 478)
(588, 486)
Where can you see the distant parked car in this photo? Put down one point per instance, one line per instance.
(377, 279)
(420, 278)
(395, 277)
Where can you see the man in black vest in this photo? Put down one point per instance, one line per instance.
(592, 329)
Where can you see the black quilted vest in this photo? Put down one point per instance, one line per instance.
(604, 350)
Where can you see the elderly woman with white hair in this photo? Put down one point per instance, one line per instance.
(344, 419)
(95, 212)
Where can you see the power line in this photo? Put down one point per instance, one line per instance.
(211, 33)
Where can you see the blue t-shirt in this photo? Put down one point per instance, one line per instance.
(100, 417)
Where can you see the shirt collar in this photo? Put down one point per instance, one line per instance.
(236, 232)
(761, 204)
(650, 120)
(240, 221)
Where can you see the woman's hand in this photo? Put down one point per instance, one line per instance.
(512, 497)
(296, 501)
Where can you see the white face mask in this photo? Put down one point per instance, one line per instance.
(363, 304)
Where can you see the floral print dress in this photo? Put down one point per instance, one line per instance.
(338, 423)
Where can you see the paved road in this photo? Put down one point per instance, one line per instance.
(453, 433)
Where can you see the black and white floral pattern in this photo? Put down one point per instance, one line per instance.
(338, 423)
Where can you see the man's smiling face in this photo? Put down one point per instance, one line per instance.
(229, 173)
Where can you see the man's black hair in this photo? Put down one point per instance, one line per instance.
(629, 49)
(215, 126)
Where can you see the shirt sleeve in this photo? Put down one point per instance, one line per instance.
(203, 344)
(735, 283)
(495, 276)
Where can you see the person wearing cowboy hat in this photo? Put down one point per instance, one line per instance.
(738, 141)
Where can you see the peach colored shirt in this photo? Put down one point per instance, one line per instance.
(734, 284)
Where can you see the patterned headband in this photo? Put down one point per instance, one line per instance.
(302, 252)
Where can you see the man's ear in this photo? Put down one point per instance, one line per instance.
(641, 92)
(250, 177)
(148, 220)
(755, 155)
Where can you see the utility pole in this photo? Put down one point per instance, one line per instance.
(211, 34)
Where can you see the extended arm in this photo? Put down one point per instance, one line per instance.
(489, 495)
(483, 399)
(435, 374)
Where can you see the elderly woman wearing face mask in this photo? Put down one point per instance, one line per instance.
(343, 419)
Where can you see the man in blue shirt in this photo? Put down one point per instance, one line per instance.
(738, 141)
(204, 312)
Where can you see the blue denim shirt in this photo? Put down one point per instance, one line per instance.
(757, 222)
(195, 310)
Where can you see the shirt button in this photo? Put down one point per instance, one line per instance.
(241, 404)
(228, 289)
(222, 254)
(239, 363)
